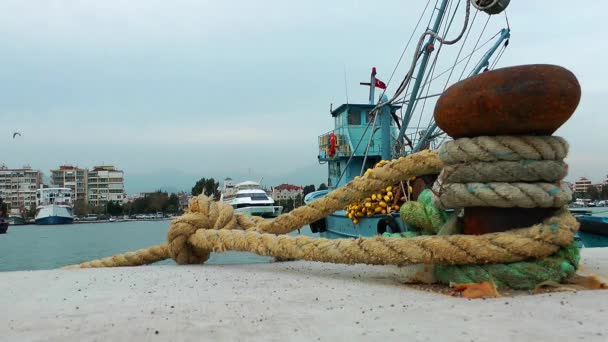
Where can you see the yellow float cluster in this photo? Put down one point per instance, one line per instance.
(378, 203)
(383, 202)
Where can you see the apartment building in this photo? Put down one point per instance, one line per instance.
(105, 183)
(18, 186)
(72, 177)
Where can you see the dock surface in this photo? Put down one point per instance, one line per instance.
(295, 301)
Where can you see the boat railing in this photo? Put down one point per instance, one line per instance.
(343, 145)
(347, 139)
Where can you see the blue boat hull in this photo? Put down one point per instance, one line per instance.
(338, 225)
(51, 220)
(594, 224)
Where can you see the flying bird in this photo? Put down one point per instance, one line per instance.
(16, 134)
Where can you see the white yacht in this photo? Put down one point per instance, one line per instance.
(249, 198)
(54, 206)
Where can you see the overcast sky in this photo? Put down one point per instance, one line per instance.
(226, 87)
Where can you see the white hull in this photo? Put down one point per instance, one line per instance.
(249, 198)
(264, 211)
(54, 214)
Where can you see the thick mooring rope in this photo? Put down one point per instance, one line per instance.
(494, 172)
(502, 195)
(507, 148)
(505, 171)
(212, 226)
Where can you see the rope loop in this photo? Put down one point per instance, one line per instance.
(503, 148)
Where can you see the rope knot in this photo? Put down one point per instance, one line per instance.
(202, 213)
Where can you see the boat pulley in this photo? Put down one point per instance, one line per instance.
(491, 6)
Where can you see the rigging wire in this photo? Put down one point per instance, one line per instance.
(460, 50)
(502, 50)
(477, 42)
(465, 57)
(406, 46)
(403, 99)
(353, 152)
(368, 144)
(430, 73)
(420, 51)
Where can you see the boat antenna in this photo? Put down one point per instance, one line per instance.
(345, 84)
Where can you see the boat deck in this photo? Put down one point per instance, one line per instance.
(271, 302)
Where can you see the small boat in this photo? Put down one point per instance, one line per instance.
(54, 206)
(593, 231)
(3, 226)
(249, 198)
(3, 217)
(15, 218)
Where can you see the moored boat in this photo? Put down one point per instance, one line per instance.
(3, 226)
(54, 206)
(3, 217)
(249, 198)
(593, 231)
(15, 218)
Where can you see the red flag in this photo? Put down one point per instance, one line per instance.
(380, 84)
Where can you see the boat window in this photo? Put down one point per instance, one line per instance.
(253, 196)
(368, 116)
(354, 116)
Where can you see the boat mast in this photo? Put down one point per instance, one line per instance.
(385, 118)
(483, 63)
(427, 49)
(372, 86)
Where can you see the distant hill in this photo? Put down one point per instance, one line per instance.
(173, 180)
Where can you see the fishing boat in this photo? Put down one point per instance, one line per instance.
(384, 128)
(249, 198)
(593, 230)
(15, 218)
(54, 206)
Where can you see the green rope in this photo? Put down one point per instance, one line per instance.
(425, 217)
(423, 214)
(525, 275)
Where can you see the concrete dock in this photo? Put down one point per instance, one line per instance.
(301, 301)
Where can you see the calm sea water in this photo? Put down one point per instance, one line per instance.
(34, 247)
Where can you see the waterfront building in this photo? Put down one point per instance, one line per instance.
(18, 186)
(184, 199)
(582, 185)
(286, 192)
(75, 178)
(104, 184)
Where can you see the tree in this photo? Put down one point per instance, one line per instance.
(298, 201)
(114, 209)
(322, 186)
(593, 193)
(157, 201)
(604, 193)
(3, 209)
(173, 203)
(308, 189)
(81, 208)
(287, 204)
(208, 187)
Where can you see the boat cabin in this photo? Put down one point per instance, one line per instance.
(49, 196)
(351, 138)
